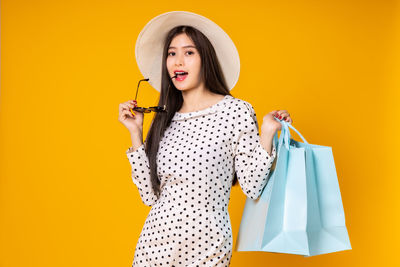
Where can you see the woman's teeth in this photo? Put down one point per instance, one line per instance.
(180, 73)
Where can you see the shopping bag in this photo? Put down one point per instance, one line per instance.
(300, 209)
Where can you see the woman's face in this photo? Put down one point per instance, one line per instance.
(183, 56)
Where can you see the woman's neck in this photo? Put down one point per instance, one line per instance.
(199, 101)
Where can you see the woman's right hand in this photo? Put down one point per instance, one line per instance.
(134, 123)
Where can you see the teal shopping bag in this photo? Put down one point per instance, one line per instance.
(300, 210)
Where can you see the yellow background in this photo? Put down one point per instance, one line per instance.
(66, 195)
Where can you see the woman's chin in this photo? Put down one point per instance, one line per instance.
(181, 87)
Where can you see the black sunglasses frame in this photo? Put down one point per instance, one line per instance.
(149, 109)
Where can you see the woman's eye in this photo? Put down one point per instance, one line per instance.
(173, 53)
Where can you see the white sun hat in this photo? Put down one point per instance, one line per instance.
(149, 45)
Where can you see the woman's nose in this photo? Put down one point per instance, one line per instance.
(179, 60)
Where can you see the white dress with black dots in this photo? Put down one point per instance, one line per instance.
(189, 224)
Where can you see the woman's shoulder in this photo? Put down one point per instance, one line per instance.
(240, 105)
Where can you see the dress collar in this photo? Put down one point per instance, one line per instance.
(211, 109)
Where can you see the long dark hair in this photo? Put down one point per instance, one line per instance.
(213, 77)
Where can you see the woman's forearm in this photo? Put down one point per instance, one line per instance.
(266, 139)
(137, 141)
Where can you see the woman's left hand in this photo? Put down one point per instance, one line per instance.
(271, 125)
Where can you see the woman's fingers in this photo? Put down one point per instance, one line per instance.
(122, 115)
(287, 118)
(130, 105)
(126, 109)
(127, 113)
(126, 106)
(282, 112)
(283, 115)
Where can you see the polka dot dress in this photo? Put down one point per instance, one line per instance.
(189, 224)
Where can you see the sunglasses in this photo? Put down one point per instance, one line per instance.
(150, 109)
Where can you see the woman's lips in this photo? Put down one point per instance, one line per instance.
(181, 77)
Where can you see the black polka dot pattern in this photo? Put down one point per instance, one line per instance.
(189, 224)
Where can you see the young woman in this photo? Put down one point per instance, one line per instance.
(205, 142)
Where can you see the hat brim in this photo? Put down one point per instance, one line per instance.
(149, 45)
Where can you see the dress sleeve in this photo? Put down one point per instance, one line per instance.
(251, 161)
(141, 174)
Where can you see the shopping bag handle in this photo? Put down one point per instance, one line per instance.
(285, 135)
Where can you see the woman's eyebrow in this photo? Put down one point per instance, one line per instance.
(187, 46)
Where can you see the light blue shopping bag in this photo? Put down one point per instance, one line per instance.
(300, 210)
